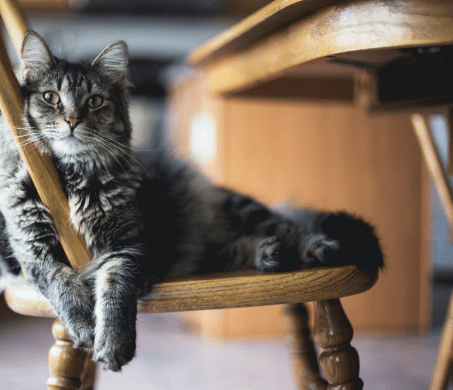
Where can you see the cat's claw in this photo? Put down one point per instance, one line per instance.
(269, 254)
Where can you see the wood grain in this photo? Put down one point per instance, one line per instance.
(258, 25)
(40, 167)
(326, 35)
(339, 360)
(225, 290)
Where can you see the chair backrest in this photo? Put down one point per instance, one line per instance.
(40, 167)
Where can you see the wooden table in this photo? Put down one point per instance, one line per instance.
(389, 52)
(294, 95)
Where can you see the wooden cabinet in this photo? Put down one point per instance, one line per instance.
(332, 156)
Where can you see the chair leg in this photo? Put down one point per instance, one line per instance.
(66, 364)
(443, 363)
(339, 360)
(89, 373)
(305, 364)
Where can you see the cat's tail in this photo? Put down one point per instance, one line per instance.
(337, 239)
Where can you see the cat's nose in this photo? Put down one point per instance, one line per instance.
(73, 122)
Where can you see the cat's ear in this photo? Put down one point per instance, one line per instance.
(113, 61)
(36, 56)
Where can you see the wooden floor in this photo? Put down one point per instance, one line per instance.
(172, 357)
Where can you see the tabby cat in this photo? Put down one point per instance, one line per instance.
(140, 224)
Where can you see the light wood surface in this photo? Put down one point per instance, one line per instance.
(66, 364)
(337, 157)
(434, 164)
(261, 23)
(225, 290)
(15, 22)
(41, 167)
(328, 35)
(89, 372)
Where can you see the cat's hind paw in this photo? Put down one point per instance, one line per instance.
(318, 249)
(268, 254)
(272, 255)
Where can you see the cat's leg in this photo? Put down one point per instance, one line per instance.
(337, 239)
(35, 244)
(116, 287)
(269, 241)
(302, 236)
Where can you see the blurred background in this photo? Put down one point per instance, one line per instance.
(397, 324)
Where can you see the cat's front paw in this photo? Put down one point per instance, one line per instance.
(79, 324)
(318, 249)
(114, 347)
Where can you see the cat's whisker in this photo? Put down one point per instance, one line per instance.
(136, 149)
(23, 143)
(123, 151)
(91, 146)
(12, 136)
(129, 155)
(110, 151)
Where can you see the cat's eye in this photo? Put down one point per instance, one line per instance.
(95, 101)
(51, 97)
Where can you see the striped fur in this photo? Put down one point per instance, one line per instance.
(141, 224)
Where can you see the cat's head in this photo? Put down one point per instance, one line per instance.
(77, 110)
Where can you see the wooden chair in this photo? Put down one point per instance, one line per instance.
(71, 368)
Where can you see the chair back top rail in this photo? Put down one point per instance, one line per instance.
(40, 167)
(225, 290)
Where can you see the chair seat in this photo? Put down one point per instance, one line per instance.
(224, 290)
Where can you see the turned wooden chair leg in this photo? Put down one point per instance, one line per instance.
(66, 364)
(305, 362)
(339, 360)
(89, 373)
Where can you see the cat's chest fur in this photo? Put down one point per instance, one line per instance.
(96, 196)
